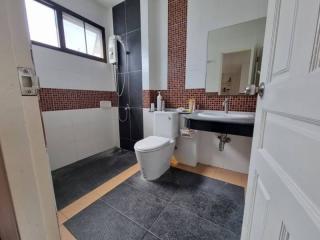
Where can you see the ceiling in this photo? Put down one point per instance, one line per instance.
(109, 3)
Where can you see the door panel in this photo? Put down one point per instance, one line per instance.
(8, 225)
(283, 201)
(261, 206)
(289, 205)
(285, 22)
(295, 157)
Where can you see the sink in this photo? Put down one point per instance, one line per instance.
(235, 123)
(229, 116)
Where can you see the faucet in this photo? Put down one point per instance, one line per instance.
(225, 104)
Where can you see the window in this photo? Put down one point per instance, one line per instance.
(74, 33)
(55, 27)
(46, 30)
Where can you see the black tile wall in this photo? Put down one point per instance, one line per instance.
(133, 14)
(122, 57)
(119, 25)
(126, 23)
(135, 89)
(134, 46)
(124, 123)
(123, 84)
(136, 124)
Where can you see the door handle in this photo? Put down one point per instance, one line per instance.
(261, 89)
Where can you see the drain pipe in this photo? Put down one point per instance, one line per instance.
(223, 140)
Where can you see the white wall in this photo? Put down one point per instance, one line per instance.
(76, 134)
(205, 149)
(206, 15)
(236, 154)
(62, 70)
(66, 71)
(154, 44)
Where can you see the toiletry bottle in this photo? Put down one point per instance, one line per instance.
(193, 105)
(163, 106)
(190, 105)
(152, 107)
(159, 100)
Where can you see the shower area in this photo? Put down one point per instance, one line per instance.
(127, 25)
(85, 120)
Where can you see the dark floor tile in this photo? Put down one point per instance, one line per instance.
(101, 222)
(176, 223)
(74, 181)
(197, 182)
(149, 236)
(215, 207)
(142, 207)
(163, 188)
(125, 160)
(66, 193)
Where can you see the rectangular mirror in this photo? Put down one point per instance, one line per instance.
(234, 58)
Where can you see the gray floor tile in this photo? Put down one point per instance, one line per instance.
(179, 205)
(149, 236)
(163, 188)
(215, 207)
(74, 181)
(176, 223)
(142, 207)
(101, 222)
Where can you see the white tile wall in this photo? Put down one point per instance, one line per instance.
(76, 134)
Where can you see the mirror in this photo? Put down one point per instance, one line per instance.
(234, 58)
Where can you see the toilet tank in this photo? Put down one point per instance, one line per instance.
(166, 124)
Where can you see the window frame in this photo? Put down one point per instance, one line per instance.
(59, 10)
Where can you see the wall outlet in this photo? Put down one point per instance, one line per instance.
(105, 105)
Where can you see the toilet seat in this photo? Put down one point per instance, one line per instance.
(152, 143)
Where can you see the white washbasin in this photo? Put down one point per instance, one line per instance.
(222, 115)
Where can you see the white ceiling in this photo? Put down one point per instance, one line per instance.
(109, 3)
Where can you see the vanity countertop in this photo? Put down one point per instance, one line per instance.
(236, 123)
(239, 117)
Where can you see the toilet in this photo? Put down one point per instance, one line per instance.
(154, 153)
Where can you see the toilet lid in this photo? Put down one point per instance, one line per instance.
(151, 143)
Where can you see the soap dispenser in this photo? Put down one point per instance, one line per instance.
(159, 100)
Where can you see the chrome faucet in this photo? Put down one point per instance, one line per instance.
(225, 104)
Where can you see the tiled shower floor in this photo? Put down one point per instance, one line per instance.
(74, 181)
(180, 205)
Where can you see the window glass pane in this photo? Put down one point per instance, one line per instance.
(94, 41)
(42, 23)
(74, 33)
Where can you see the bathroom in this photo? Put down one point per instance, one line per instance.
(92, 119)
(157, 115)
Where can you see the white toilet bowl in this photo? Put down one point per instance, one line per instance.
(154, 154)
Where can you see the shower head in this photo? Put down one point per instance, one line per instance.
(119, 39)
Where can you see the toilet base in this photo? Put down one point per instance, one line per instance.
(154, 164)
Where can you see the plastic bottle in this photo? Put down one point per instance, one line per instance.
(159, 100)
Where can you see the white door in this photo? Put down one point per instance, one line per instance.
(21, 137)
(283, 198)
